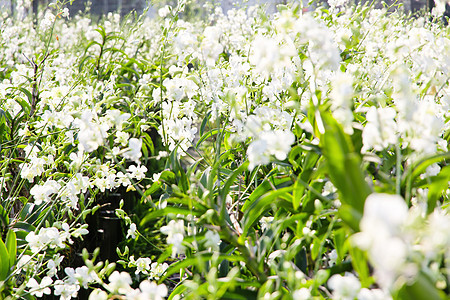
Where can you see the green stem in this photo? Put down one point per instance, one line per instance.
(398, 169)
(250, 259)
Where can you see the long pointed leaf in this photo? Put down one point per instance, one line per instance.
(344, 167)
(192, 261)
(11, 246)
(257, 209)
(168, 210)
(4, 261)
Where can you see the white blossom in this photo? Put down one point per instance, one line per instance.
(380, 130)
(132, 231)
(157, 270)
(164, 11)
(175, 234)
(65, 290)
(212, 240)
(98, 294)
(152, 290)
(383, 235)
(134, 150)
(39, 289)
(143, 265)
(54, 264)
(119, 282)
(344, 287)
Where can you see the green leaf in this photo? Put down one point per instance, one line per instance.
(256, 210)
(421, 166)
(230, 181)
(102, 32)
(24, 104)
(240, 294)
(295, 156)
(4, 217)
(83, 61)
(167, 176)
(438, 184)
(357, 188)
(177, 174)
(339, 268)
(316, 246)
(149, 142)
(344, 166)
(265, 186)
(297, 195)
(189, 202)
(4, 261)
(177, 291)
(123, 68)
(192, 261)
(183, 180)
(11, 246)
(153, 188)
(339, 238)
(350, 216)
(208, 134)
(34, 213)
(24, 226)
(421, 289)
(301, 260)
(168, 210)
(360, 265)
(204, 122)
(308, 166)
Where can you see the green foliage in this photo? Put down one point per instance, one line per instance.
(241, 169)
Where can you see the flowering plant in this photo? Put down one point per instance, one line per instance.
(297, 156)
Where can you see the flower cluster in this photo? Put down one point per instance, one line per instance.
(119, 284)
(400, 242)
(302, 154)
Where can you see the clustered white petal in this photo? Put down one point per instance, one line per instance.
(254, 82)
(175, 234)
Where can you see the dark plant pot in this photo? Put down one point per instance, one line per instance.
(105, 230)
